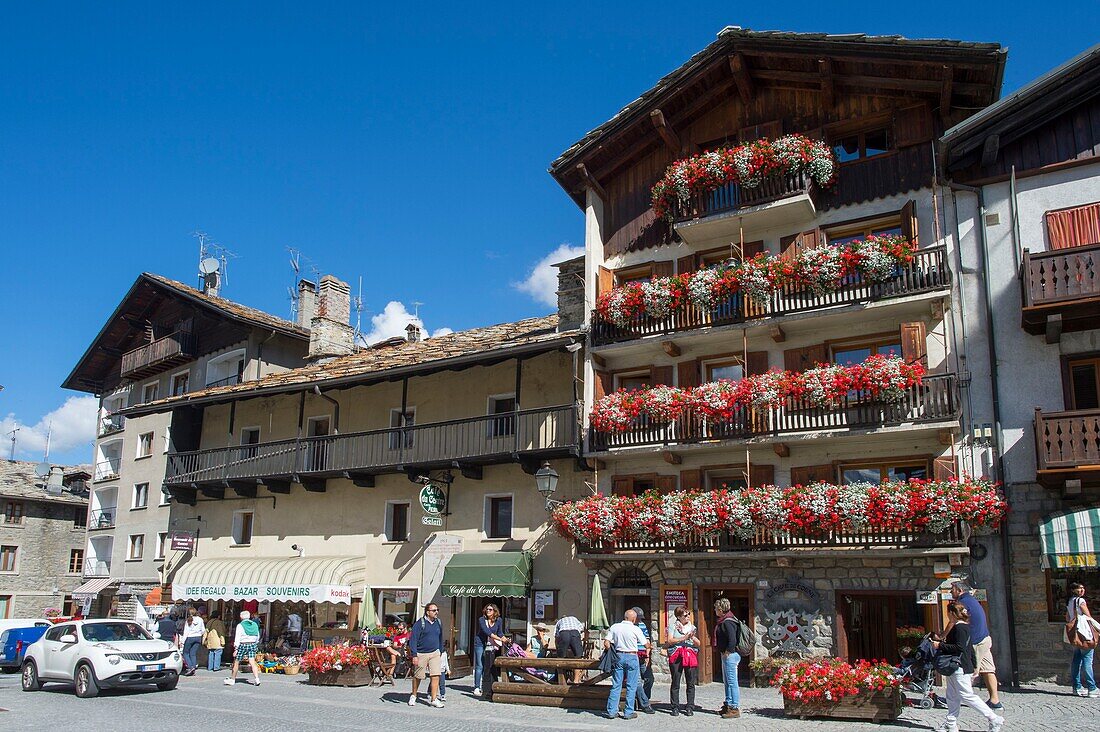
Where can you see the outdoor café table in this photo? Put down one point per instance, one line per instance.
(537, 691)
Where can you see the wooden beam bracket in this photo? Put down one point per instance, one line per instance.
(990, 149)
(742, 77)
(277, 486)
(671, 348)
(671, 458)
(945, 437)
(782, 449)
(362, 480)
(777, 333)
(313, 485)
(828, 88)
(590, 181)
(946, 90)
(473, 472)
(212, 491)
(671, 139)
(243, 488)
(1054, 328)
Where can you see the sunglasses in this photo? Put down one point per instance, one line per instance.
(433, 609)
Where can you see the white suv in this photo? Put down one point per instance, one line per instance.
(101, 654)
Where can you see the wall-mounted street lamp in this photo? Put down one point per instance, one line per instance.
(546, 480)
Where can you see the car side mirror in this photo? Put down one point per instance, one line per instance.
(68, 638)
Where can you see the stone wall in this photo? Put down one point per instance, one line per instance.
(45, 539)
(571, 310)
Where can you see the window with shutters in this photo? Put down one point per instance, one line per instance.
(76, 561)
(730, 479)
(847, 233)
(636, 485)
(8, 556)
(13, 513)
(137, 547)
(728, 368)
(868, 143)
(243, 522)
(632, 381)
(883, 471)
(498, 517)
(397, 520)
(856, 352)
(641, 273)
(145, 445)
(1084, 383)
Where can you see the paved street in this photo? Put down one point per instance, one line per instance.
(283, 702)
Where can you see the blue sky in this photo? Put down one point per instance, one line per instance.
(407, 147)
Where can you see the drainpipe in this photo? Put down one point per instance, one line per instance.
(998, 458)
(335, 409)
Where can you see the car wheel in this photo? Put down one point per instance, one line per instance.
(168, 685)
(31, 682)
(85, 683)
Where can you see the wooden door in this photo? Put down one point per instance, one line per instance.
(870, 624)
(710, 662)
(318, 451)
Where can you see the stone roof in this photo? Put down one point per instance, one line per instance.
(18, 480)
(395, 357)
(230, 308)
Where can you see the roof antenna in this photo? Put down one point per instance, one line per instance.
(12, 433)
(416, 309)
(213, 263)
(292, 291)
(358, 302)
(49, 434)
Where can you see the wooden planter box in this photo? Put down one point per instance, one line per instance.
(880, 706)
(355, 676)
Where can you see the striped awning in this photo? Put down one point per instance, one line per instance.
(282, 579)
(1071, 540)
(93, 587)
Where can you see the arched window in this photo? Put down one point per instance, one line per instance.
(630, 578)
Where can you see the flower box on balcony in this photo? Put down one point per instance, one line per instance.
(871, 706)
(354, 676)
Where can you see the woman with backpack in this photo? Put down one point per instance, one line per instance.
(246, 642)
(1082, 631)
(957, 662)
(214, 642)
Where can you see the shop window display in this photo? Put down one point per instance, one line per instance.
(1058, 582)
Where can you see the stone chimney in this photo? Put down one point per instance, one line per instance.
(571, 312)
(211, 283)
(412, 331)
(56, 480)
(330, 335)
(307, 303)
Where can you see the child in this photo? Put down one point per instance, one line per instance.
(444, 669)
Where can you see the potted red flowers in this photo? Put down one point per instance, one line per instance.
(830, 687)
(338, 665)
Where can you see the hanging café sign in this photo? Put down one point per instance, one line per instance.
(339, 594)
(434, 502)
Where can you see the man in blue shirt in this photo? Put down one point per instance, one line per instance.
(981, 640)
(426, 652)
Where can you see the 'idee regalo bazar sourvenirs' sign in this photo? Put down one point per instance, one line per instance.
(340, 594)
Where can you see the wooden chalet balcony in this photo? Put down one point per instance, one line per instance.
(1061, 291)
(1067, 446)
(767, 541)
(926, 273)
(161, 354)
(528, 436)
(936, 399)
(778, 198)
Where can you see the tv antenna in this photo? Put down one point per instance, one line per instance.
(12, 433)
(357, 301)
(416, 309)
(49, 434)
(213, 263)
(296, 264)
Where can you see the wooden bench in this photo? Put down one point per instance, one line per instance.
(537, 691)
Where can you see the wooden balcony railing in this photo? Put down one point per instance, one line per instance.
(162, 353)
(936, 399)
(1067, 440)
(1064, 282)
(927, 272)
(494, 438)
(732, 196)
(764, 540)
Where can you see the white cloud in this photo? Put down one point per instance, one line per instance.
(542, 282)
(73, 426)
(392, 321)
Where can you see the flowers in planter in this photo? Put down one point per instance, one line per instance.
(334, 658)
(832, 679)
(879, 377)
(815, 510)
(747, 165)
(821, 270)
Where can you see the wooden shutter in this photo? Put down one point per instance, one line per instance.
(691, 480)
(943, 468)
(687, 374)
(909, 221)
(663, 268)
(752, 248)
(603, 384)
(913, 125)
(666, 483)
(687, 264)
(660, 375)
(622, 486)
(756, 362)
(914, 342)
(806, 240)
(800, 359)
(770, 130)
(1073, 227)
(605, 282)
(813, 473)
(761, 475)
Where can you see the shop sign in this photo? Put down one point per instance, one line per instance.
(472, 590)
(672, 597)
(431, 520)
(930, 597)
(182, 541)
(433, 500)
(340, 594)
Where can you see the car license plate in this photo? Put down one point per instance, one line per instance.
(151, 667)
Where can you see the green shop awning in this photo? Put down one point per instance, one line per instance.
(1071, 540)
(487, 574)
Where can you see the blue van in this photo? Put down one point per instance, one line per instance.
(14, 642)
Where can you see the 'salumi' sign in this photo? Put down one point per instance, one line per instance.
(433, 500)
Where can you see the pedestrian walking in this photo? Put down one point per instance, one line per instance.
(682, 640)
(214, 642)
(487, 641)
(958, 645)
(983, 643)
(727, 637)
(1083, 632)
(166, 628)
(193, 631)
(246, 643)
(645, 660)
(567, 641)
(625, 637)
(425, 653)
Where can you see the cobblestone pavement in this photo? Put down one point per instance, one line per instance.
(283, 702)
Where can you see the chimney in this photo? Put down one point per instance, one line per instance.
(412, 331)
(307, 303)
(56, 481)
(571, 312)
(330, 335)
(211, 283)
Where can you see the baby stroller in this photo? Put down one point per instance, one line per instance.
(917, 674)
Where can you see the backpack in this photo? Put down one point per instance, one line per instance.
(746, 639)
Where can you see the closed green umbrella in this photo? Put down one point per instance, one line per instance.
(367, 618)
(597, 615)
